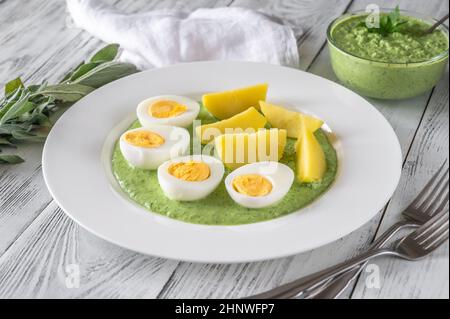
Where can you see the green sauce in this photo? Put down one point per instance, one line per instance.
(218, 208)
(399, 65)
(408, 45)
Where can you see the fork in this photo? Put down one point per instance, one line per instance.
(420, 204)
(417, 213)
(412, 247)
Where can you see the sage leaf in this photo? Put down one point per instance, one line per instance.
(105, 73)
(35, 88)
(69, 74)
(9, 102)
(36, 118)
(13, 85)
(11, 159)
(42, 102)
(25, 111)
(41, 119)
(8, 129)
(67, 92)
(24, 136)
(108, 53)
(19, 107)
(5, 142)
(17, 110)
(82, 70)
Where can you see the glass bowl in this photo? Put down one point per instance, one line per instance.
(384, 80)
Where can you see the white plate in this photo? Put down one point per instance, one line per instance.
(80, 182)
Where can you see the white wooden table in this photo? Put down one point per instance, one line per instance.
(39, 243)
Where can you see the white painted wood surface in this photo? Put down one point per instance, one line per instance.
(39, 244)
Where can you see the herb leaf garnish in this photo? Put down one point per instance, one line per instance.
(25, 110)
(389, 23)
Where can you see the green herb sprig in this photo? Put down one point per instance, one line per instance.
(25, 110)
(389, 23)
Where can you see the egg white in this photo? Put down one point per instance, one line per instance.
(176, 144)
(183, 120)
(181, 190)
(280, 175)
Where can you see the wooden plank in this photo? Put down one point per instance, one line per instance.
(405, 116)
(23, 194)
(44, 262)
(47, 71)
(428, 278)
(198, 281)
(51, 57)
(188, 281)
(240, 280)
(208, 281)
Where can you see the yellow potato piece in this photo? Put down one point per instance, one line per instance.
(236, 150)
(266, 150)
(311, 163)
(226, 104)
(281, 117)
(249, 119)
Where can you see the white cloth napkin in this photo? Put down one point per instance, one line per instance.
(163, 37)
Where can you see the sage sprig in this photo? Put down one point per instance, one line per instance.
(25, 110)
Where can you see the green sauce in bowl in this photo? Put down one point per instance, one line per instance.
(408, 45)
(398, 65)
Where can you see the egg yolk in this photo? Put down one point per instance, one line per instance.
(190, 171)
(145, 139)
(252, 185)
(166, 108)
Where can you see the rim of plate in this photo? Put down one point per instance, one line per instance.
(369, 152)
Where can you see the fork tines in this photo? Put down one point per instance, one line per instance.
(434, 196)
(434, 232)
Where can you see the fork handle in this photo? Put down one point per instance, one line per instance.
(297, 287)
(337, 285)
(302, 283)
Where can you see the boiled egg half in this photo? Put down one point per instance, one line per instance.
(149, 147)
(190, 178)
(167, 110)
(260, 184)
